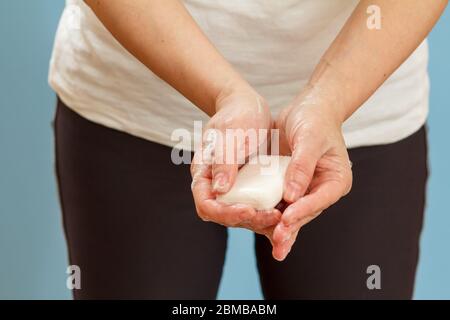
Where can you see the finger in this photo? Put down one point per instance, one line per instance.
(320, 198)
(209, 209)
(199, 173)
(286, 237)
(300, 170)
(229, 151)
(202, 160)
(224, 177)
(227, 215)
(263, 222)
(281, 250)
(265, 219)
(283, 233)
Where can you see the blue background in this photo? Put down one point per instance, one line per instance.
(32, 250)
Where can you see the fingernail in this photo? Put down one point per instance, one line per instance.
(220, 182)
(292, 191)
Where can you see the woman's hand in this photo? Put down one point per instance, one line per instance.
(239, 128)
(319, 173)
(358, 61)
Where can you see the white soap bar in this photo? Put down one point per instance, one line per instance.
(259, 183)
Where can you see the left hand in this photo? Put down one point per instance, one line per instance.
(319, 173)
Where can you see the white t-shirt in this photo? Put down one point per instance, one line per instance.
(275, 45)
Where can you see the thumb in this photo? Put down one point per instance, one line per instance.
(300, 170)
(224, 167)
(229, 153)
(224, 176)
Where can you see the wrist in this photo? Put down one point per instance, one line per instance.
(232, 88)
(332, 89)
(325, 100)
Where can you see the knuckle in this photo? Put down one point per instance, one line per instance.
(300, 174)
(203, 217)
(309, 210)
(348, 184)
(298, 168)
(218, 168)
(234, 223)
(201, 213)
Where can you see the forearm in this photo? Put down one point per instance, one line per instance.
(164, 37)
(361, 59)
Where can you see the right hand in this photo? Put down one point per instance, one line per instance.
(216, 163)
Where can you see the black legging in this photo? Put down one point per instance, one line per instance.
(131, 225)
